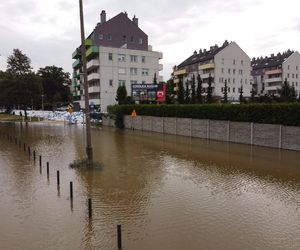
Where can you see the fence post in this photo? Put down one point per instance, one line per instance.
(57, 178)
(90, 207)
(71, 190)
(119, 236)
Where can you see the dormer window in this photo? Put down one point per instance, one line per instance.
(124, 39)
(109, 37)
(140, 40)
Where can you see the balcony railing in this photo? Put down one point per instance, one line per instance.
(92, 64)
(94, 89)
(76, 54)
(92, 52)
(93, 76)
(274, 79)
(76, 64)
(273, 71)
(204, 76)
(207, 66)
(180, 72)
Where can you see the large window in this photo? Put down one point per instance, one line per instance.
(110, 56)
(121, 58)
(133, 58)
(145, 72)
(143, 59)
(122, 83)
(133, 71)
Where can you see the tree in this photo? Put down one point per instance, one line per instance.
(241, 97)
(252, 95)
(56, 84)
(287, 93)
(193, 90)
(225, 99)
(209, 90)
(187, 92)
(121, 95)
(18, 64)
(170, 91)
(180, 96)
(199, 89)
(154, 79)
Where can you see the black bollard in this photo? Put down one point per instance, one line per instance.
(57, 178)
(119, 235)
(90, 207)
(29, 151)
(34, 155)
(40, 160)
(71, 190)
(47, 169)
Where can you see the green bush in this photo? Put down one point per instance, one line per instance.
(276, 113)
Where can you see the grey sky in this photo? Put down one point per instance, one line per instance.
(48, 31)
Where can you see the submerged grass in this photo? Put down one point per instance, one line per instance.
(82, 164)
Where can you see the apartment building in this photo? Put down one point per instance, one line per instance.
(117, 54)
(227, 62)
(269, 73)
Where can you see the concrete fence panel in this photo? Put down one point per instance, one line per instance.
(147, 123)
(170, 125)
(137, 122)
(240, 132)
(290, 137)
(184, 126)
(199, 128)
(157, 124)
(127, 121)
(266, 135)
(218, 130)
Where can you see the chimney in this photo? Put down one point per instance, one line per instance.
(195, 52)
(211, 48)
(204, 51)
(103, 17)
(272, 55)
(135, 20)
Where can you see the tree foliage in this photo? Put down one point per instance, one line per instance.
(170, 91)
(199, 89)
(187, 93)
(241, 97)
(180, 95)
(121, 95)
(209, 90)
(193, 90)
(225, 97)
(287, 93)
(18, 64)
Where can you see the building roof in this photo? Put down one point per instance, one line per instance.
(203, 55)
(271, 61)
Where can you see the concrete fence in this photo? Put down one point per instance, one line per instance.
(268, 135)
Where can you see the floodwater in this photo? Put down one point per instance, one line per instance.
(167, 192)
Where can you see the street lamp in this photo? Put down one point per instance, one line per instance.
(89, 149)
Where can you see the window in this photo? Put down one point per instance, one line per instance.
(222, 89)
(288, 66)
(121, 58)
(133, 58)
(109, 37)
(222, 60)
(233, 90)
(140, 40)
(143, 59)
(133, 71)
(228, 80)
(233, 61)
(296, 67)
(221, 79)
(222, 70)
(133, 82)
(233, 71)
(122, 83)
(122, 71)
(242, 63)
(296, 75)
(293, 75)
(228, 71)
(100, 36)
(132, 39)
(288, 75)
(145, 72)
(110, 56)
(233, 80)
(110, 83)
(241, 81)
(240, 71)
(124, 39)
(143, 82)
(228, 90)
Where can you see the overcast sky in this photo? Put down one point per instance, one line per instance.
(48, 30)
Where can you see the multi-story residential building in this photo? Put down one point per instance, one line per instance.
(117, 54)
(228, 62)
(269, 73)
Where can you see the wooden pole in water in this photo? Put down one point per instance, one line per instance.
(119, 236)
(40, 160)
(47, 169)
(34, 155)
(57, 178)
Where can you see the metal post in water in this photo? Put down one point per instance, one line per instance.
(90, 207)
(57, 177)
(71, 190)
(47, 169)
(34, 155)
(40, 160)
(29, 151)
(119, 236)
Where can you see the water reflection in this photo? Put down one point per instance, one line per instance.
(167, 192)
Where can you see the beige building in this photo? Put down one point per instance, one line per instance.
(228, 62)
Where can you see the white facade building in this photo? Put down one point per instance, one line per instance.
(228, 62)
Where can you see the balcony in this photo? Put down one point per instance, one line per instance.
(92, 64)
(93, 76)
(160, 67)
(273, 72)
(88, 42)
(76, 64)
(94, 89)
(271, 88)
(207, 66)
(92, 52)
(94, 101)
(76, 54)
(76, 75)
(180, 72)
(274, 79)
(204, 76)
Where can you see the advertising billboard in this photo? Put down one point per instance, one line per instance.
(149, 92)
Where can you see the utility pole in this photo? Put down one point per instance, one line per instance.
(89, 149)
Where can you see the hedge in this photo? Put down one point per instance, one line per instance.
(277, 113)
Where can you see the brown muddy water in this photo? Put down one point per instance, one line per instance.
(167, 192)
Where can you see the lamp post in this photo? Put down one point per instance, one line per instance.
(89, 149)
